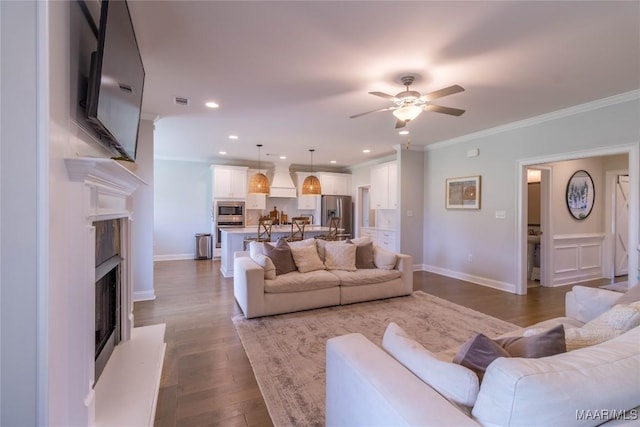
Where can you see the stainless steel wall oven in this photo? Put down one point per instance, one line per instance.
(228, 214)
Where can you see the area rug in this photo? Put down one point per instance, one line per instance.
(618, 286)
(287, 352)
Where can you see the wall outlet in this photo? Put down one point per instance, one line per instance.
(470, 258)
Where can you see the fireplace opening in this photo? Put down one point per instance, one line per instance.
(107, 292)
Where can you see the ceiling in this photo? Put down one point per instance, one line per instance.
(289, 74)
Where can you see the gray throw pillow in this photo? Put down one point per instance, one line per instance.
(364, 255)
(632, 295)
(478, 353)
(541, 345)
(281, 256)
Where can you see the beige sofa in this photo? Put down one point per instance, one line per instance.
(402, 383)
(258, 295)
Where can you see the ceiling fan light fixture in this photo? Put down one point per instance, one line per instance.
(311, 184)
(259, 183)
(407, 113)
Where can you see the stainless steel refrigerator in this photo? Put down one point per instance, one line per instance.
(337, 206)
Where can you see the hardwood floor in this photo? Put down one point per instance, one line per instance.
(207, 379)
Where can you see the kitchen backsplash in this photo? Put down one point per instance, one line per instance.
(288, 206)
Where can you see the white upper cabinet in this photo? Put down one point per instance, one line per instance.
(229, 182)
(384, 186)
(335, 184)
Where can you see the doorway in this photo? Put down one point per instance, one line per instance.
(633, 197)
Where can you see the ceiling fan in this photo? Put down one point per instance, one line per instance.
(409, 103)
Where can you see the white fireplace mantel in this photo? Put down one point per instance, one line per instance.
(110, 182)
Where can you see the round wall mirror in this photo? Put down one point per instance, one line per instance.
(580, 194)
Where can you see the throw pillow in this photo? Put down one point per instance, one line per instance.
(580, 337)
(383, 258)
(543, 344)
(478, 353)
(281, 256)
(364, 254)
(619, 317)
(360, 240)
(306, 242)
(256, 248)
(306, 258)
(266, 263)
(340, 256)
(455, 382)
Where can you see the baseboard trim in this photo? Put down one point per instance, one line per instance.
(173, 257)
(490, 283)
(144, 296)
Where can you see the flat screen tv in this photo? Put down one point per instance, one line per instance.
(116, 80)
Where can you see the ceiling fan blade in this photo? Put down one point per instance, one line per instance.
(400, 124)
(445, 110)
(384, 95)
(373, 111)
(442, 92)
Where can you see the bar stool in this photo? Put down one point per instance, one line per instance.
(297, 228)
(332, 234)
(264, 232)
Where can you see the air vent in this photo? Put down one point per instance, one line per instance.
(178, 100)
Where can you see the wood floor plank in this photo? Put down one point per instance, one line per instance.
(207, 379)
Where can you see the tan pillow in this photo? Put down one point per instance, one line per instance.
(383, 258)
(266, 263)
(306, 258)
(340, 256)
(305, 242)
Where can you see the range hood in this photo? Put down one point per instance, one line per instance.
(281, 183)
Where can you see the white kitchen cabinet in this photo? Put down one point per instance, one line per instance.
(384, 186)
(387, 239)
(229, 182)
(384, 238)
(335, 184)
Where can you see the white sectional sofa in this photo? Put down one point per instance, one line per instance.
(260, 294)
(593, 385)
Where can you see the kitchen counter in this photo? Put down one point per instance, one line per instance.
(232, 240)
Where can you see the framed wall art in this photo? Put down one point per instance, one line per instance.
(580, 195)
(463, 193)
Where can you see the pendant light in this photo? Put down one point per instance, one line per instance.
(259, 184)
(311, 184)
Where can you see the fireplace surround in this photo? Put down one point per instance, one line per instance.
(108, 187)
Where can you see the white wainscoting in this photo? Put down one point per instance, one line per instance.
(577, 258)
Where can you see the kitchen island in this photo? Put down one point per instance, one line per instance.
(232, 241)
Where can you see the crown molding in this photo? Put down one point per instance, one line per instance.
(566, 112)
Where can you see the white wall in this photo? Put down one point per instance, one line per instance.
(19, 249)
(450, 236)
(182, 207)
(411, 203)
(142, 227)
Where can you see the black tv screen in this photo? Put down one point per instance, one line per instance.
(114, 96)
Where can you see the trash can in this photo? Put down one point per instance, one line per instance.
(203, 246)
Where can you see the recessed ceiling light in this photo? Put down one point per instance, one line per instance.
(333, 161)
(403, 132)
(366, 151)
(223, 152)
(211, 104)
(233, 136)
(283, 157)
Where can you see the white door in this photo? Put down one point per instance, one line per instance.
(621, 226)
